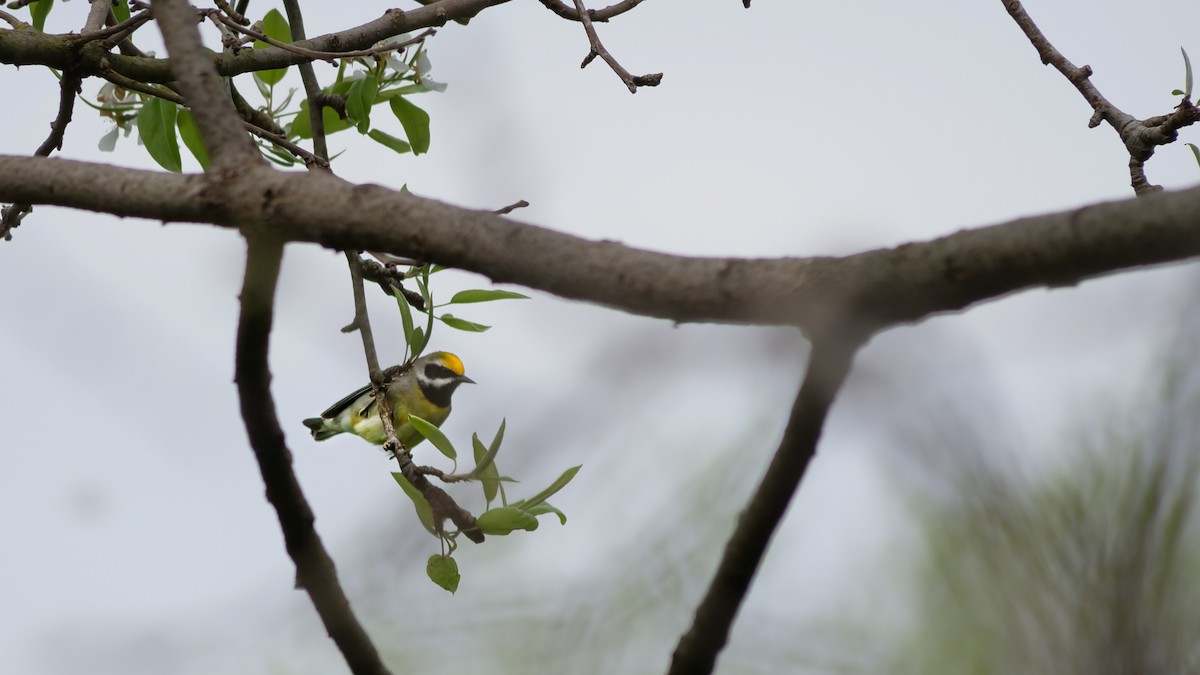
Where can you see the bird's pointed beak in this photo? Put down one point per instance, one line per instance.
(465, 380)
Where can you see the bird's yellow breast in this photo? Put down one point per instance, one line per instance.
(370, 427)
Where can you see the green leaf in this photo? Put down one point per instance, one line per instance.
(424, 510)
(1195, 152)
(485, 457)
(542, 496)
(485, 463)
(434, 434)
(1187, 74)
(504, 520)
(403, 91)
(390, 141)
(359, 102)
(544, 508)
(39, 11)
(121, 10)
(405, 318)
(443, 571)
(191, 136)
(276, 27)
(277, 156)
(427, 297)
(1177, 92)
(156, 126)
(463, 324)
(464, 297)
(419, 341)
(415, 122)
(302, 126)
(485, 470)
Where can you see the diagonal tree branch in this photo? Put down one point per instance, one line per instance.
(1140, 137)
(12, 214)
(68, 87)
(828, 364)
(596, 48)
(315, 572)
(315, 569)
(883, 287)
(202, 88)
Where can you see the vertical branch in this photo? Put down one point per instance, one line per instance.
(362, 321)
(315, 572)
(697, 651)
(312, 89)
(97, 13)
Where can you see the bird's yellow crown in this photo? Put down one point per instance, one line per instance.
(451, 361)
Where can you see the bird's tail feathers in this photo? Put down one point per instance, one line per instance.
(318, 428)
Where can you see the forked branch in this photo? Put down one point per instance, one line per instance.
(597, 49)
(1140, 137)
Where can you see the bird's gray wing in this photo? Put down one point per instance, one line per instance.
(337, 408)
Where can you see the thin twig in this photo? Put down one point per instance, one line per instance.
(362, 321)
(240, 18)
(330, 57)
(258, 117)
(1140, 137)
(68, 88)
(12, 20)
(505, 210)
(597, 49)
(310, 160)
(443, 476)
(387, 277)
(598, 15)
(122, 41)
(315, 571)
(133, 85)
(312, 88)
(828, 364)
(119, 31)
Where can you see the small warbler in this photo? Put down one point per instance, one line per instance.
(423, 390)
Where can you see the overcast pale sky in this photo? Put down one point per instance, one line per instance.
(136, 535)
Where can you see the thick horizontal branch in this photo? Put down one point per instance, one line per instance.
(31, 47)
(877, 289)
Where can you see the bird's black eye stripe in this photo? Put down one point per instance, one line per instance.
(436, 371)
